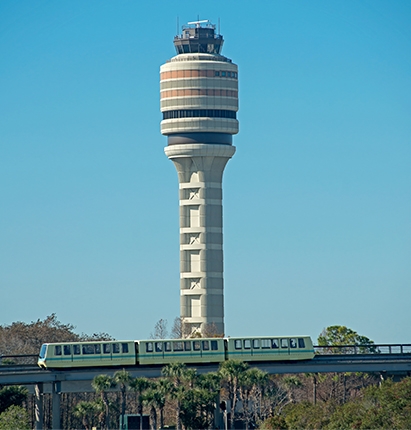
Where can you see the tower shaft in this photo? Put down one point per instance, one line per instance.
(200, 170)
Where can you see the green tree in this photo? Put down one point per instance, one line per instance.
(390, 405)
(123, 378)
(340, 340)
(101, 384)
(155, 398)
(86, 412)
(163, 388)
(231, 372)
(381, 407)
(305, 415)
(139, 385)
(275, 422)
(349, 415)
(196, 408)
(12, 395)
(14, 417)
(210, 382)
(150, 400)
(345, 340)
(176, 373)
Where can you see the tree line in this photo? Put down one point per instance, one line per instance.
(185, 399)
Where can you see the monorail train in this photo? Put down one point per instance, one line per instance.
(161, 352)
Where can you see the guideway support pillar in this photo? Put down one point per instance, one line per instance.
(38, 411)
(55, 392)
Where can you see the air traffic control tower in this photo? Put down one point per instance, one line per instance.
(199, 102)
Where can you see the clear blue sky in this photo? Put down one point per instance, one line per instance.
(317, 204)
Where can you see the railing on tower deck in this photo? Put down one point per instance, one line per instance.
(196, 57)
(364, 349)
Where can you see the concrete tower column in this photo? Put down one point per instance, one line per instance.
(199, 101)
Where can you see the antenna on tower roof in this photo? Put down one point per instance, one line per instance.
(219, 31)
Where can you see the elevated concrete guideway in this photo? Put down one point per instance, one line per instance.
(391, 363)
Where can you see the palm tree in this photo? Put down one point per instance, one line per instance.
(154, 399)
(210, 382)
(190, 376)
(101, 384)
(85, 411)
(176, 373)
(230, 373)
(139, 385)
(123, 378)
(291, 383)
(162, 387)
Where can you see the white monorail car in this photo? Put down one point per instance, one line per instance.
(161, 352)
(87, 354)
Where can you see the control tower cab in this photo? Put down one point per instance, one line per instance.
(199, 88)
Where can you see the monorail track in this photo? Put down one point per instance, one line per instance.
(385, 364)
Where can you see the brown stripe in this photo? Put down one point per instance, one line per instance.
(199, 92)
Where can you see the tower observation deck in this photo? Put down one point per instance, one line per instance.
(199, 103)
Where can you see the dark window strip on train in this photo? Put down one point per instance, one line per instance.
(90, 349)
(178, 346)
(198, 113)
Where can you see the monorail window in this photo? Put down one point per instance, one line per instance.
(43, 351)
(88, 349)
(67, 349)
(159, 346)
(149, 347)
(187, 345)
(274, 344)
(106, 348)
(76, 349)
(167, 346)
(256, 343)
(265, 343)
(237, 344)
(301, 343)
(293, 343)
(284, 343)
(97, 348)
(177, 346)
(196, 345)
(116, 348)
(214, 345)
(124, 348)
(247, 344)
(206, 345)
(57, 350)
